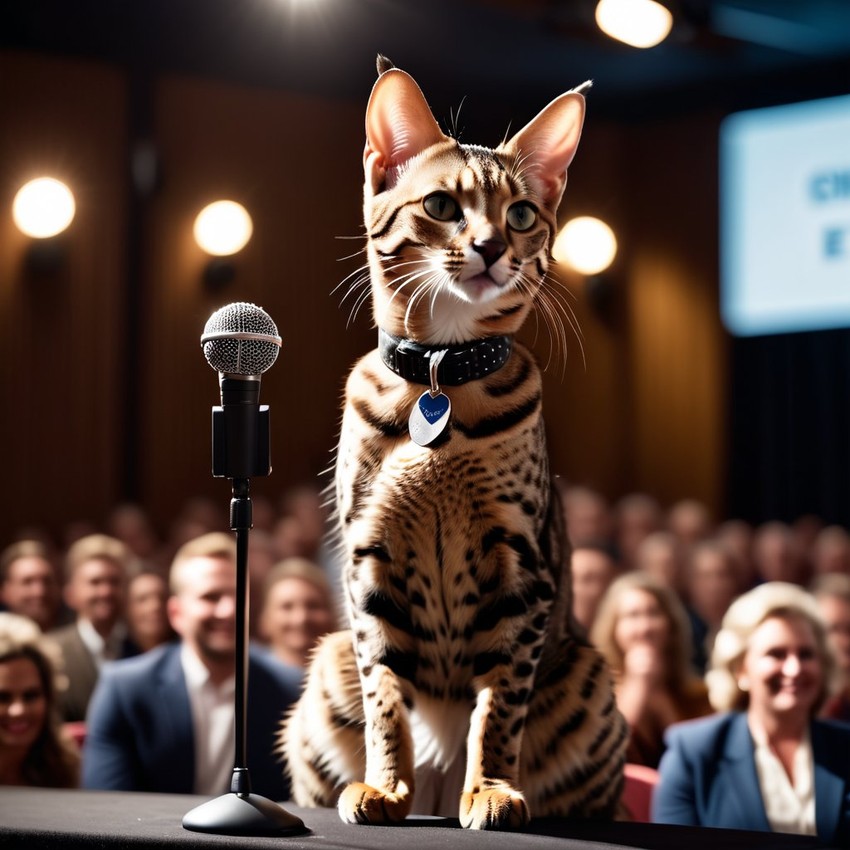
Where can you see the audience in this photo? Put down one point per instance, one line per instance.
(766, 763)
(146, 614)
(660, 555)
(776, 554)
(594, 567)
(832, 593)
(96, 572)
(164, 721)
(689, 521)
(711, 586)
(642, 630)
(29, 583)
(33, 749)
(298, 609)
(636, 517)
(737, 538)
(671, 562)
(830, 551)
(587, 514)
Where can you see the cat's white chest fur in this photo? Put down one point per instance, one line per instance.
(439, 731)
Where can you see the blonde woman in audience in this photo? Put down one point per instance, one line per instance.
(33, 750)
(642, 630)
(767, 763)
(297, 610)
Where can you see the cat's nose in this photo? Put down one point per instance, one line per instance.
(490, 250)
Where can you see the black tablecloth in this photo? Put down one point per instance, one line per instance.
(31, 819)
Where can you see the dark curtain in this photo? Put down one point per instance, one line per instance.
(789, 440)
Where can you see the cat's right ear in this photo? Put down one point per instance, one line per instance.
(399, 125)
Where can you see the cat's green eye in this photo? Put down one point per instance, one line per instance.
(522, 216)
(441, 206)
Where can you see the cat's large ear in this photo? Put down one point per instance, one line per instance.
(547, 144)
(399, 125)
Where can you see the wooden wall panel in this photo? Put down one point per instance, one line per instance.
(295, 163)
(61, 336)
(641, 408)
(677, 348)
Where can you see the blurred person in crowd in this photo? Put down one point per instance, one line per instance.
(96, 572)
(298, 609)
(198, 515)
(804, 531)
(33, 748)
(660, 555)
(636, 517)
(712, 586)
(587, 514)
(29, 583)
(262, 556)
(164, 721)
(263, 514)
(130, 524)
(146, 612)
(766, 762)
(594, 567)
(830, 551)
(690, 521)
(642, 630)
(736, 536)
(776, 556)
(832, 593)
(305, 506)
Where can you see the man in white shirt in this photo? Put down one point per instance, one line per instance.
(165, 721)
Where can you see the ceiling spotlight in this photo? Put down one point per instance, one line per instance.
(43, 208)
(586, 244)
(223, 228)
(640, 23)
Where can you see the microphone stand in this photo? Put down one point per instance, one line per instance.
(241, 812)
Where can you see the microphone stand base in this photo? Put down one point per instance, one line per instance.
(243, 814)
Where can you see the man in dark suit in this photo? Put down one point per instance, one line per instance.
(165, 721)
(96, 571)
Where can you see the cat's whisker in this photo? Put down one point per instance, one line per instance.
(555, 308)
(420, 292)
(364, 276)
(361, 300)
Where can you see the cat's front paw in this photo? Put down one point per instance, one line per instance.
(360, 803)
(496, 807)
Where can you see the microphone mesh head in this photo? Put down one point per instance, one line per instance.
(229, 353)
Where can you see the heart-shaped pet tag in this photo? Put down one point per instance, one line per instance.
(429, 418)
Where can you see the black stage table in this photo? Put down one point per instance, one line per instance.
(36, 818)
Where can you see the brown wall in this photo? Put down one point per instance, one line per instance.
(641, 408)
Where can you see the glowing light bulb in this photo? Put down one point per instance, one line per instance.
(44, 207)
(640, 23)
(223, 228)
(586, 244)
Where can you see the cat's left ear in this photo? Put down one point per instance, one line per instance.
(547, 144)
(399, 125)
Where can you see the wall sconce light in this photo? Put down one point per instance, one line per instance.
(589, 246)
(42, 209)
(639, 23)
(222, 229)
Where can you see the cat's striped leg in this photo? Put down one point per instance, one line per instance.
(490, 798)
(387, 793)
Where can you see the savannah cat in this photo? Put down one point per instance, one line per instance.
(462, 681)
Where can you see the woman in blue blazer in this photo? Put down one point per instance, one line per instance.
(766, 763)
